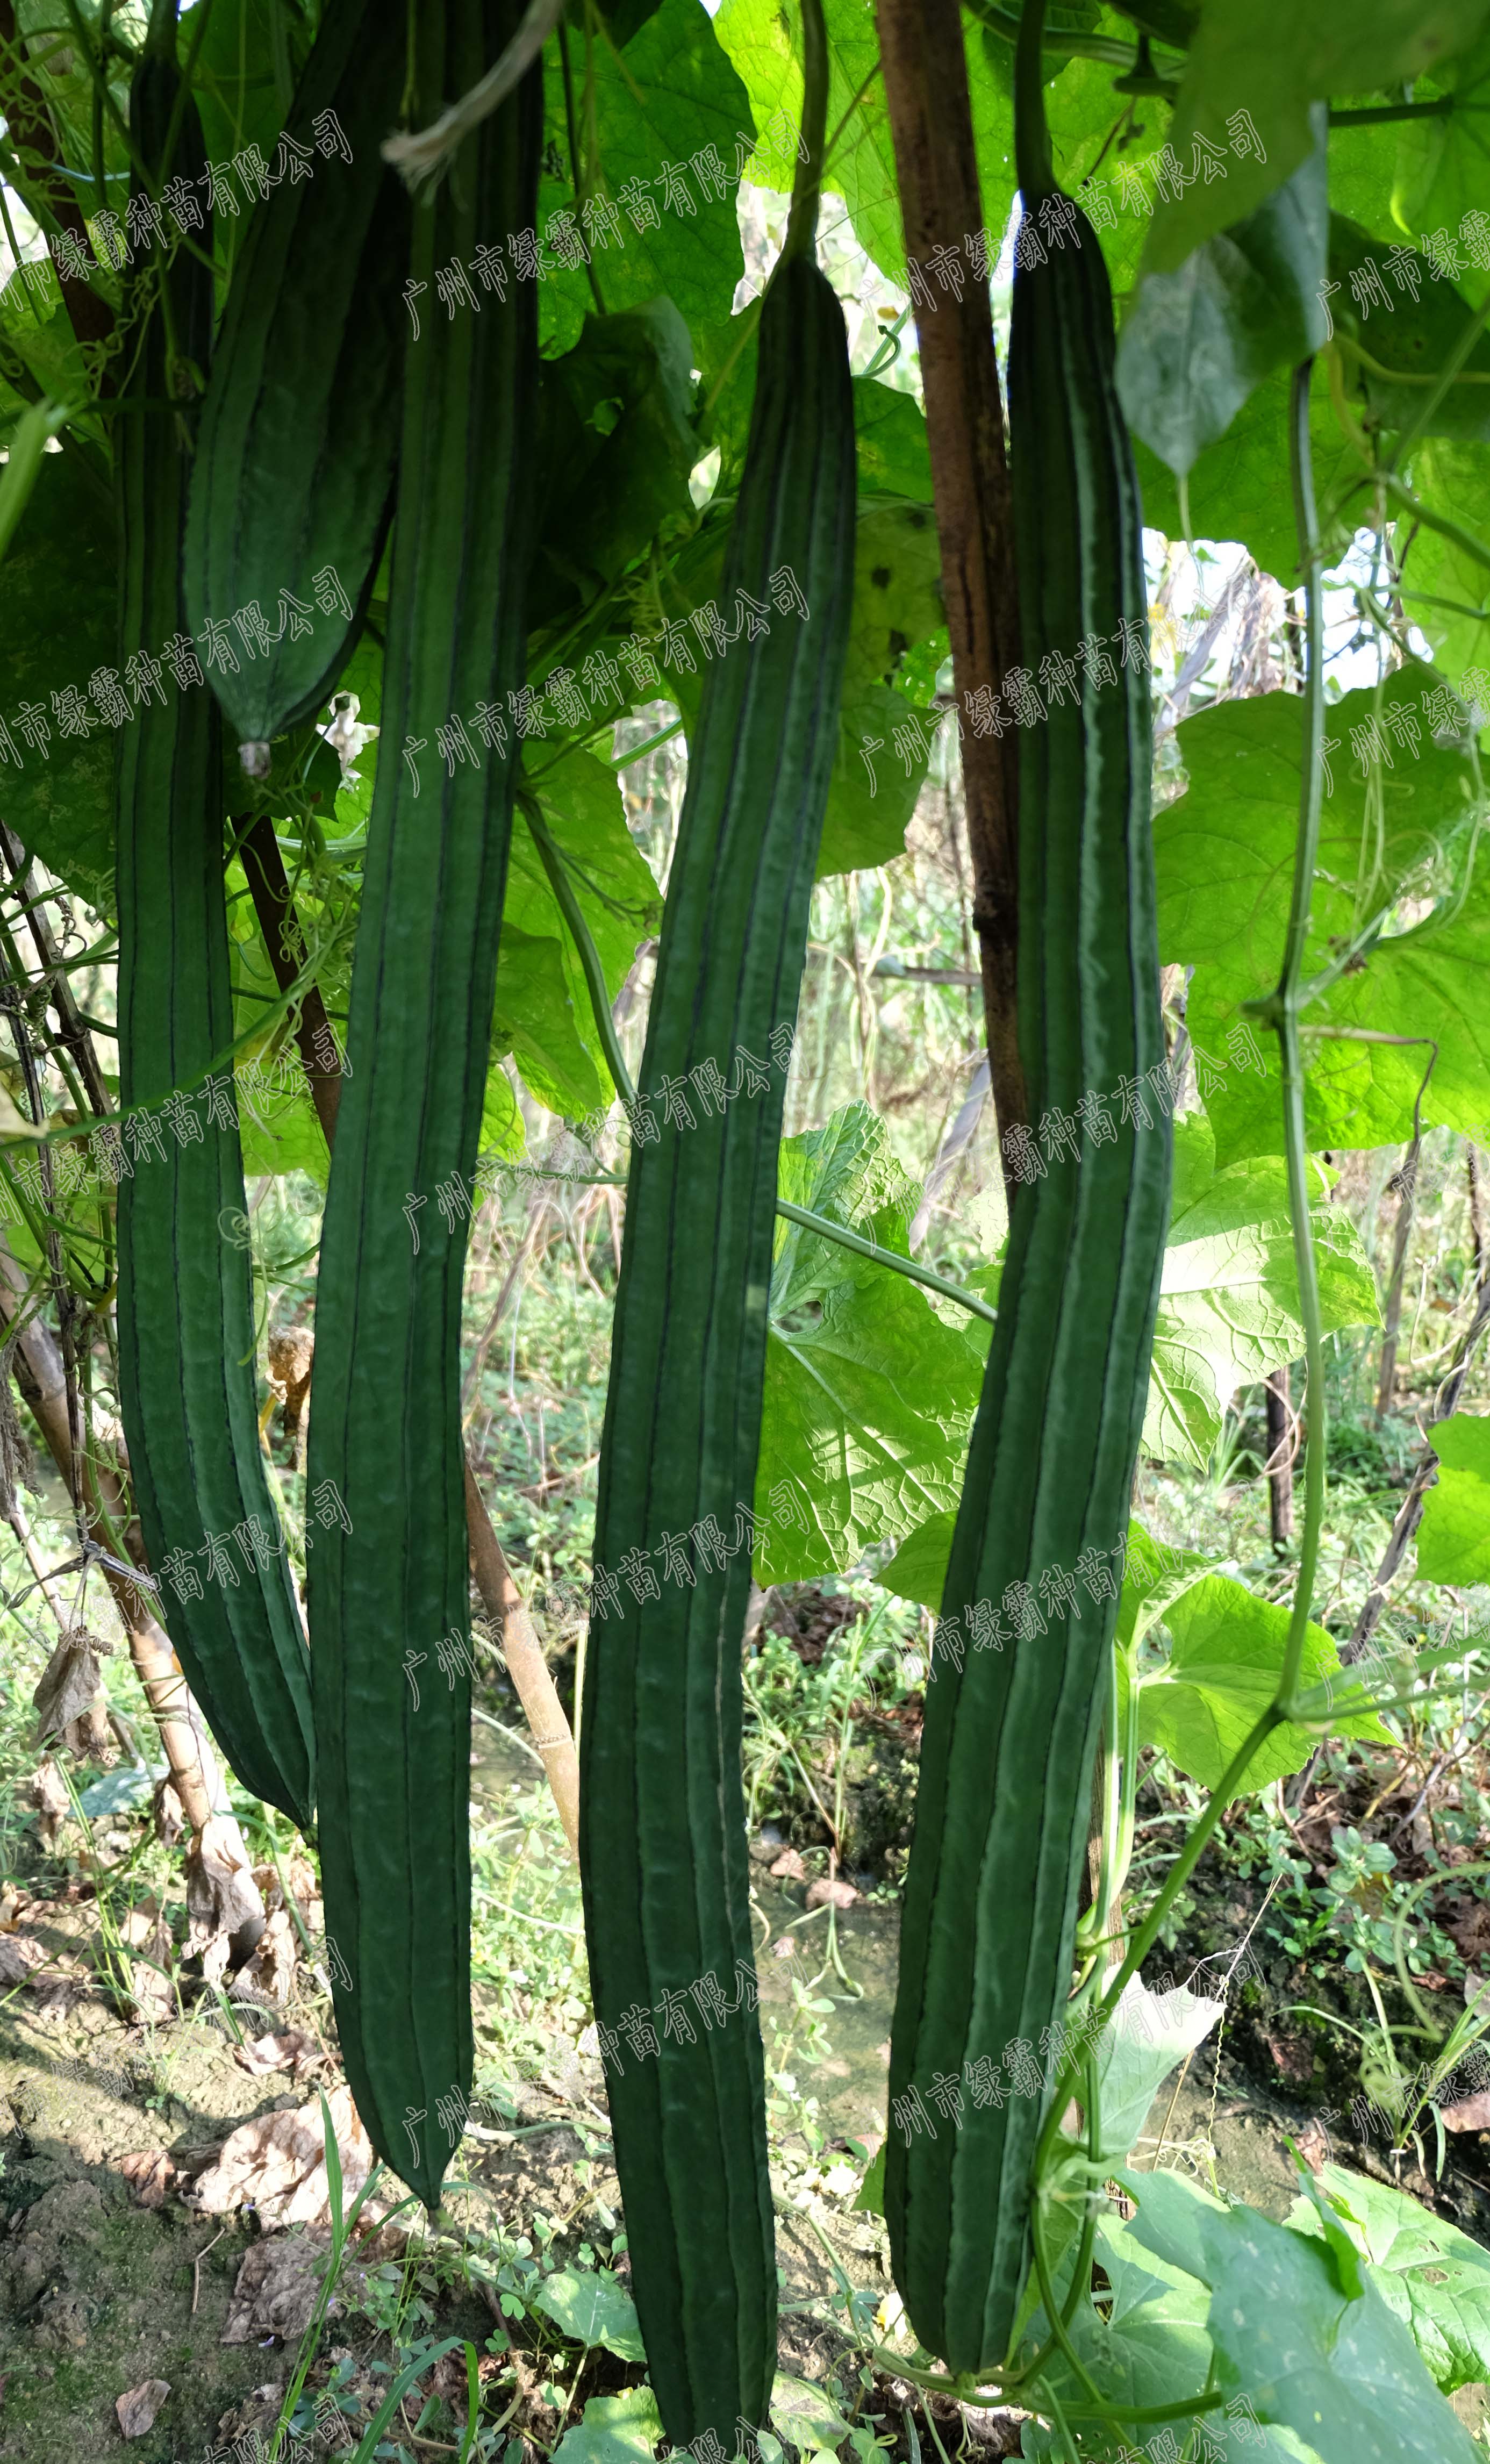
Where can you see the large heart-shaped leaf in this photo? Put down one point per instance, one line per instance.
(1395, 825)
(1302, 2346)
(1199, 340)
(1229, 1309)
(1429, 2274)
(1226, 1655)
(870, 1392)
(1454, 1536)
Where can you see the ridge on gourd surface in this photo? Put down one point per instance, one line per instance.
(661, 1806)
(1004, 1788)
(293, 481)
(187, 1383)
(389, 1589)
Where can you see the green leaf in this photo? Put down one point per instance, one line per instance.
(671, 94)
(874, 788)
(624, 18)
(1171, 2220)
(614, 2429)
(594, 2307)
(59, 622)
(847, 1171)
(51, 350)
(1148, 2036)
(543, 1013)
(897, 592)
(1446, 584)
(1342, 2249)
(883, 741)
(1429, 2274)
(1443, 166)
(804, 2416)
(25, 446)
(617, 447)
(1234, 491)
(1226, 1655)
(918, 1569)
(234, 85)
(884, 745)
(1342, 2373)
(1272, 60)
(1194, 1162)
(282, 1135)
(1224, 860)
(894, 456)
(1454, 1536)
(1199, 340)
(1152, 1578)
(1229, 1309)
(1414, 338)
(503, 1132)
(870, 1395)
(870, 2199)
(762, 38)
(1151, 2350)
(1363, 171)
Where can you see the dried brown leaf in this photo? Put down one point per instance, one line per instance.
(50, 1797)
(271, 1972)
(69, 1682)
(149, 2174)
(276, 2286)
(1471, 2113)
(19, 1955)
(832, 1892)
(277, 2165)
(137, 2410)
(292, 2051)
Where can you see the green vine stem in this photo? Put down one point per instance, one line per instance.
(1285, 1008)
(911, 1268)
(801, 223)
(1032, 162)
(553, 862)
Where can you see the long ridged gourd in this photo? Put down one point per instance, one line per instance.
(293, 477)
(661, 1819)
(389, 1597)
(1004, 1788)
(186, 1303)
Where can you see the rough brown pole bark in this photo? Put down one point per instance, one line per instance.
(926, 86)
(1410, 1512)
(184, 1739)
(37, 148)
(1279, 1458)
(1406, 1185)
(526, 1665)
(270, 888)
(500, 1597)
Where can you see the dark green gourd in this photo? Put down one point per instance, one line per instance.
(389, 1589)
(662, 1813)
(185, 1304)
(1006, 1757)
